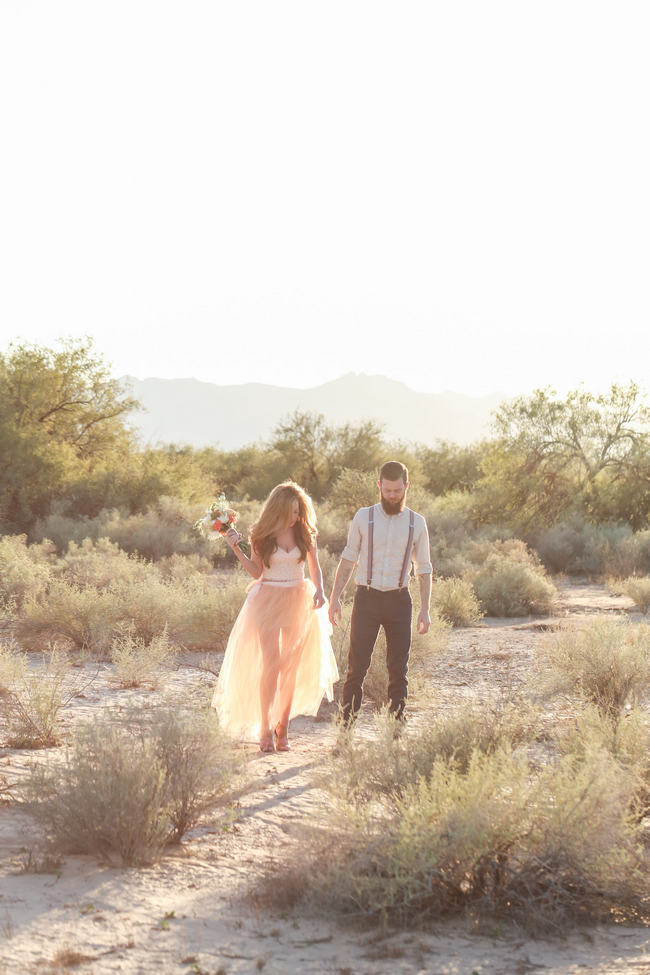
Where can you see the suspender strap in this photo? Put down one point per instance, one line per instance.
(371, 532)
(407, 554)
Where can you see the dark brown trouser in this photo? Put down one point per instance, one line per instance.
(372, 609)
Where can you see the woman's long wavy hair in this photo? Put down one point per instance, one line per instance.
(275, 516)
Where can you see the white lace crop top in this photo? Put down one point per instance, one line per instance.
(285, 567)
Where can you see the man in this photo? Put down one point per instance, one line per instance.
(384, 539)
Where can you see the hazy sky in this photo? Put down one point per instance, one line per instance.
(454, 194)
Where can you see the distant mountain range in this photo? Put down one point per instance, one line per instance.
(187, 411)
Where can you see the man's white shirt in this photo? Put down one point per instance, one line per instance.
(390, 538)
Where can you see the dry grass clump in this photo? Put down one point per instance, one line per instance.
(489, 835)
(32, 698)
(638, 590)
(607, 663)
(131, 788)
(454, 600)
(511, 581)
(136, 662)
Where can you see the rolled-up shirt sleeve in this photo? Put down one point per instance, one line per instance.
(421, 552)
(353, 546)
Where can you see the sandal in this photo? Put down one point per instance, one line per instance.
(282, 737)
(266, 742)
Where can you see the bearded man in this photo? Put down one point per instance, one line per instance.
(384, 539)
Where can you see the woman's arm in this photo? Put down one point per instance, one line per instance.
(253, 565)
(316, 575)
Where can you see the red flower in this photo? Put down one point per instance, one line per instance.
(217, 526)
(231, 516)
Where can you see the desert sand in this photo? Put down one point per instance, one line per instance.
(195, 910)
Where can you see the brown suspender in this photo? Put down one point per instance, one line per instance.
(405, 564)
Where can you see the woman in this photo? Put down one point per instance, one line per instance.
(279, 660)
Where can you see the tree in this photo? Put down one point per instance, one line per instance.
(553, 454)
(61, 421)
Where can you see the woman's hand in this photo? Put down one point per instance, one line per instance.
(233, 538)
(319, 598)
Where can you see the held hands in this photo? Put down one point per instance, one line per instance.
(335, 612)
(424, 621)
(319, 598)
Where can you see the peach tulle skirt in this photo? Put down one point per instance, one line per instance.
(279, 648)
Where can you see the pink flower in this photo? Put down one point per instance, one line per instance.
(217, 526)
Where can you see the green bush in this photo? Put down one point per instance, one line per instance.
(454, 600)
(510, 580)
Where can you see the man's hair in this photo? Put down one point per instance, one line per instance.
(392, 470)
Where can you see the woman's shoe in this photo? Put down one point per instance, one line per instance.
(282, 737)
(266, 742)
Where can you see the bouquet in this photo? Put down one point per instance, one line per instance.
(217, 520)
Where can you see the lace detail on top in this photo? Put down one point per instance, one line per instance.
(284, 567)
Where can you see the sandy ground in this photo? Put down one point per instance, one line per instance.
(194, 910)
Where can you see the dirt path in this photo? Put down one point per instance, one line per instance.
(193, 911)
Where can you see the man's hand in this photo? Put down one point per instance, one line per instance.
(424, 621)
(335, 612)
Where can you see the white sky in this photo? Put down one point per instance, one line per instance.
(454, 194)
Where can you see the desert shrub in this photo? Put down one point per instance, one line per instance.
(626, 737)
(510, 580)
(180, 567)
(388, 763)
(491, 838)
(198, 762)
(99, 564)
(131, 789)
(24, 570)
(196, 611)
(607, 663)
(84, 618)
(454, 600)
(638, 590)
(579, 547)
(136, 662)
(33, 697)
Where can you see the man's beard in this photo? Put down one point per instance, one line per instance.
(393, 507)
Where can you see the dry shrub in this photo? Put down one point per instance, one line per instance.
(33, 697)
(638, 590)
(100, 564)
(196, 613)
(606, 663)
(136, 662)
(131, 788)
(387, 762)
(454, 600)
(511, 580)
(24, 570)
(579, 547)
(84, 618)
(488, 837)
